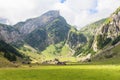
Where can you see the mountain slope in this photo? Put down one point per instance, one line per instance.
(53, 33)
(91, 29)
(5, 62)
(10, 35)
(49, 28)
(8, 54)
(44, 32)
(107, 40)
(83, 46)
(108, 32)
(108, 56)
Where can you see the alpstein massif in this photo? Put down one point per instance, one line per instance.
(46, 36)
(49, 36)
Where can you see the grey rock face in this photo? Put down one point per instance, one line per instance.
(31, 24)
(53, 33)
(75, 40)
(113, 28)
(110, 29)
(9, 34)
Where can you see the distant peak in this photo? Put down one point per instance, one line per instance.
(52, 13)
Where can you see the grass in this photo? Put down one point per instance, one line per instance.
(108, 20)
(49, 52)
(116, 49)
(4, 62)
(69, 72)
(60, 51)
(65, 51)
(103, 58)
(31, 52)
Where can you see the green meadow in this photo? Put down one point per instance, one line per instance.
(68, 72)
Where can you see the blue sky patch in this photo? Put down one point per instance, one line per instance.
(62, 1)
(93, 11)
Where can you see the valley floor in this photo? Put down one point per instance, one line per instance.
(68, 72)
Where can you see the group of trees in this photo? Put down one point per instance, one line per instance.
(102, 41)
(10, 57)
(116, 40)
(9, 52)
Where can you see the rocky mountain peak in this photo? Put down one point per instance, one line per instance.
(53, 13)
(31, 24)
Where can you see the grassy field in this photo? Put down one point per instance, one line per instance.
(69, 72)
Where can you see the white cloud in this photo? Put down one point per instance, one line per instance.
(76, 12)
(83, 12)
(17, 10)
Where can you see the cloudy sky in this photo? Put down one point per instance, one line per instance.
(76, 12)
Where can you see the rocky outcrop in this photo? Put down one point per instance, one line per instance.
(9, 34)
(112, 29)
(76, 39)
(109, 30)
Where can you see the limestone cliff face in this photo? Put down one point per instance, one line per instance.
(113, 27)
(76, 39)
(109, 30)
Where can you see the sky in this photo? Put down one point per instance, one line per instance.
(76, 12)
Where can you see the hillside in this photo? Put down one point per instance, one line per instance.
(107, 39)
(4, 62)
(8, 54)
(109, 32)
(90, 29)
(89, 35)
(110, 55)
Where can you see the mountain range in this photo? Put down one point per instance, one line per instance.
(50, 37)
